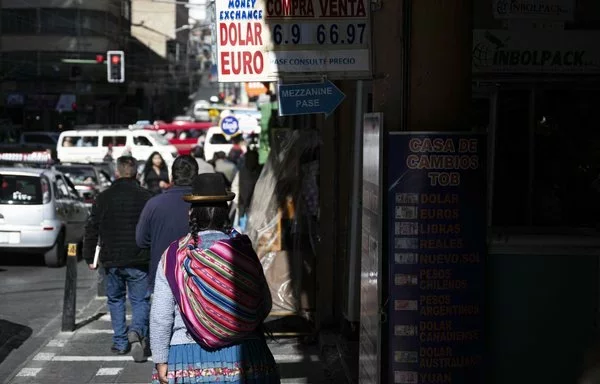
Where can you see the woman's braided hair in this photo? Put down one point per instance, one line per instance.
(205, 217)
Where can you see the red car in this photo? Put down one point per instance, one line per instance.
(182, 134)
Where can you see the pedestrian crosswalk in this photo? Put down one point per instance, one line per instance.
(84, 357)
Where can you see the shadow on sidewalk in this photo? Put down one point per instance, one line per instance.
(12, 336)
(89, 320)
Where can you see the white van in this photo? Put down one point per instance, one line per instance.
(91, 145)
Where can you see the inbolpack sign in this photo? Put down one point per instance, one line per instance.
(534, 9)
(500, 51)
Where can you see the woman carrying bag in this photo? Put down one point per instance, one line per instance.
(210, 300)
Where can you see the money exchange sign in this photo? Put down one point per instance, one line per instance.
(436, 256)
(264, 40)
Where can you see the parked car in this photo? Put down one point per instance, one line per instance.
(181, 134)
(40, 212)
(89, 180)
(216, 140)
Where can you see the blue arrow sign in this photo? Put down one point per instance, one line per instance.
(309, 98)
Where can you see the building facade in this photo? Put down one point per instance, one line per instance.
(48, 52)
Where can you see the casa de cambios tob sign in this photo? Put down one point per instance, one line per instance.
(300, 40)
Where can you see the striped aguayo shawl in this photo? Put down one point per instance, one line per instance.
(221, 291)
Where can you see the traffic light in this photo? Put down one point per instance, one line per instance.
(115, 66)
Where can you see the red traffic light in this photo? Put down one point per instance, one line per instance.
(99, 59)
(115, 59)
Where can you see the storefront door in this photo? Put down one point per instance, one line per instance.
(543, 247)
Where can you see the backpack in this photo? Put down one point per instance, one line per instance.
(221, 291)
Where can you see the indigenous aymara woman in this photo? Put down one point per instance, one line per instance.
(210, 300)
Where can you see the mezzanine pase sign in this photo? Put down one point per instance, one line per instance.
(501, 51)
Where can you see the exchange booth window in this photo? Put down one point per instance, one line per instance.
(559, 185)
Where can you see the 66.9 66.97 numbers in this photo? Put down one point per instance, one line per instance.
(322, 34)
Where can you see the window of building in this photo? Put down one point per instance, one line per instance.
(511, 174)
(18, 21)
(19, 64)
(547, 162)
(59, 21)
(566, 167)
(93, 23)
(38, 139)
(125, 10)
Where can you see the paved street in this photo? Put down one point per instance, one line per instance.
(31, 306)
(32, 299)
(84, 357)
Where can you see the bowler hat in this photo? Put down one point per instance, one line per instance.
(208, 188)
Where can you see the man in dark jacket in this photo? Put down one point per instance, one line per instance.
(113, 220)
(165, 217)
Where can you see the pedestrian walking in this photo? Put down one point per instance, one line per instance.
(203, 165)
(165, 216)
(243, 186)
(156, 173)
(210, 300)
(113, 219)
(224, 166)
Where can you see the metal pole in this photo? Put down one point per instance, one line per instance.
(353, 304)
(70, 298)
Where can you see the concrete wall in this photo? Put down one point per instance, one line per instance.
(159, 20)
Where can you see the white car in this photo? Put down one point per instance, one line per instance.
(40, 212)
(216, 140)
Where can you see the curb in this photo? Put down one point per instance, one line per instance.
(53, 328)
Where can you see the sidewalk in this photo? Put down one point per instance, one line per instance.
(84, 356)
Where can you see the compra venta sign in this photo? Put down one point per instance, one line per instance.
(265, 40)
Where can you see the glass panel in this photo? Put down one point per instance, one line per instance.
(141, 140)
(116, 141)
(20, 190)
(567, 159)
(511, 173)
(62, 189)
(59, 21)
(18, 21)
(79, 175)
(70, 141)
(87, 141)
(480, 114)
(219, 138)
(19, 65)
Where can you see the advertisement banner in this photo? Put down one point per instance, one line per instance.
(264, 40)
(559, 52)
(555, 10)
(436, 201)
(370, 297)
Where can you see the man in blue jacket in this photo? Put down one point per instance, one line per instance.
(165, 216)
